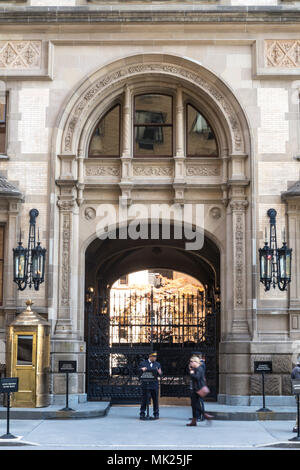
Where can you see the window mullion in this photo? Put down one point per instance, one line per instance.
(179, 124)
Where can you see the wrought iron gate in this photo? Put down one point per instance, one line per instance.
(123, 328)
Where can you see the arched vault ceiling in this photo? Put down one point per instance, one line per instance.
(110, 259)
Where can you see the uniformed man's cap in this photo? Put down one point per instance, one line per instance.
(153, 354)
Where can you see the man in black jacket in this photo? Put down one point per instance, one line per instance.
(295, 375)
(150, 388)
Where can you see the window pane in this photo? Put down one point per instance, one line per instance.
(153, 141)
(2, 139)
(200, 137)
(106, 137)
(2, 112)
(24, 353)
(153, 109)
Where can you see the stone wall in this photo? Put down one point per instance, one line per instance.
(251, 75)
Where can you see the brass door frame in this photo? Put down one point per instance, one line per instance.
(31, 367)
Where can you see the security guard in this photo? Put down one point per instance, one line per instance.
(150, 388)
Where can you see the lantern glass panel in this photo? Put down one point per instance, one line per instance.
(288, 265)
(20, 259)
(265, 265)
(282, 266)
(37, 264)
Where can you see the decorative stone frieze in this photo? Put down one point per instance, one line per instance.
(166, 171)
(283, 53)
(20, 54)
(203, 170)
(102, 171)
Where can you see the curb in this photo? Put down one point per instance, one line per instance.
(97, 411)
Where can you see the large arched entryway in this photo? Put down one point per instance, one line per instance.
(155, 101)
(121, 330)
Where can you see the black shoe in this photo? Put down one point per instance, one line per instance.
(142, 418)
(156, 417)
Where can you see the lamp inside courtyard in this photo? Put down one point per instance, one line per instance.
(275, 263)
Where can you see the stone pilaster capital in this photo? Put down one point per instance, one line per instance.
(238, 206)
(66, 205)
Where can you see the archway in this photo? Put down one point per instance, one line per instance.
(221, 184)
(122, 329)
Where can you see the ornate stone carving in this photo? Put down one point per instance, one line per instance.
(203, 170)
(65, 268)
(215, 213)
(90, 213)
(20, 54)
(102, 171)
(126, 72)
(282, 53)
(66, 205)
(152, 171)
(238, 210)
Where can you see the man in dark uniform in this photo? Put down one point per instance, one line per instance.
(296, 376)
(151, 388)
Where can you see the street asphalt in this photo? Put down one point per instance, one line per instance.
(121, 430)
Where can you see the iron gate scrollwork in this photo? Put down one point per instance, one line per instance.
(124, 327)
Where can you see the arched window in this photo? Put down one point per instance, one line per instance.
(153, 125)
(105, 141)
(154, 129)
(200, 138)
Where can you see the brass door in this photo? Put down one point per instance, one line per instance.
(24, 367)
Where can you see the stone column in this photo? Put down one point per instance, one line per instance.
(80, 183)
(64, 327)
(126, 157)
(292, 200)
(179, 158)
(65, 344)
(239, 322)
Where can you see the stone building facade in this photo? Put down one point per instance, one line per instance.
(64, 65)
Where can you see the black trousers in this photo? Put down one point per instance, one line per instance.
(146, 395)
(197, 405)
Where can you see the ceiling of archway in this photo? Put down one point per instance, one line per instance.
(109, 259)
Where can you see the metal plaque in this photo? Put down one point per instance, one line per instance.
(67, 366)
(263, 367)
(9, 384)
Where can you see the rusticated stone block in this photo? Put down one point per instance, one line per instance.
(272, 384)
(222, 383)
(286, 385)
(282, 364)
(237, 384)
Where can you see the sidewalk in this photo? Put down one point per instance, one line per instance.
(100, 409)
(121, 429)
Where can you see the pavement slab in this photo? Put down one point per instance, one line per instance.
(121, 429)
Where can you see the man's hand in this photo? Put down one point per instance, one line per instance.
(144, 369)
(159, 371)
